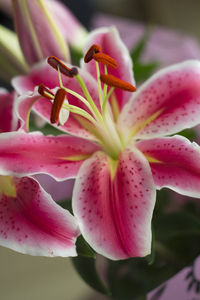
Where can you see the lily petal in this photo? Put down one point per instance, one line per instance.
(26, 154)
(43, 73)
(32, 223)
(114, 211)
(175, 163)
(167, 103)
(38, 35)
(8, 120)
(110, 42)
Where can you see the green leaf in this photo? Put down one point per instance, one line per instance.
(179, 233)
(151, 257)
(46, 129)
(188, 133)
(138, 50)
(134, 278)
(83, 249)
(86, 267)
(76, 56)
(144, 71)
(66, 204)
(177, 243)
(176, 223)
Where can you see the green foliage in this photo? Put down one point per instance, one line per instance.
(176, 244)
(138, 50)
(76, 56)
(189, 134)
(144, 71)
(141, 70)
(66, 204)
(83, 249)
(86, 267)
(47, 129)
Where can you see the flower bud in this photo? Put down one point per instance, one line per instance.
(38, 33)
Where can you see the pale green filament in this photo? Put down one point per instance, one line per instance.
(105, 85)
(81, 112)
(106, 100)
(82, 99)
(99, 84)
(89, 98)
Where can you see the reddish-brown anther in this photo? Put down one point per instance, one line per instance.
(55, 63)
(116, 82)
(45, 92)
(92, 50)
(57, 105)
(105, 59)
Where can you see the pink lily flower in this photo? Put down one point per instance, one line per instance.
(119, 150)
(30, 221)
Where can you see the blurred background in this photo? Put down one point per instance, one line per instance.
(178, 23)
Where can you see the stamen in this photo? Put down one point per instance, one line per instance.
(116, 82)
(55, 63)
(92, 50)
(57, 105)
(45, 92)
(105, 59)
(73, 71)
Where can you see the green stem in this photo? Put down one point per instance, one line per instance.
(106, 100)
(99, 84)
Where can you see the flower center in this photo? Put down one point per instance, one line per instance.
(99, 118)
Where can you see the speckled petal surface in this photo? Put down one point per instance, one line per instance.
(26, 154)
(42, 73)
(115, 214)
(167, 103)
(32, 223)
(110, 42)
(175, 163)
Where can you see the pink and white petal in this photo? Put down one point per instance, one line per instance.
(42, 107)
(114, 214)
(8, 119)
(40, 73)
(167, 103)
(33, 223)
(43, 73)
(22, 107)
(60, 156)
(175, 163)
(109, 40)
